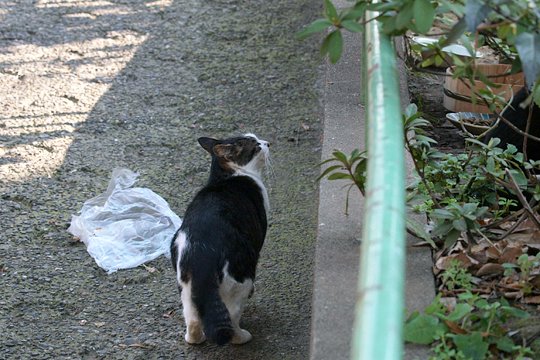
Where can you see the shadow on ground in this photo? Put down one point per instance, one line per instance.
(94, 85)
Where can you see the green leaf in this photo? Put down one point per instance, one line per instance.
(325, 44)
(470, 207)
(329, 170)
(442, 214)
(460, 224)
(428, 62)
(422, 329)
(425, 139)
(475, 12)
(505, 344)
(528, 48)
(355, 12)
(340, 156)
(419, 231)
(477, 142)
(411, 110)
(404, 16)
(424, 13)
(360, 168)
(332, 45)
(315, 27)
(388, 24)
(490, 165)
(520, 178)
(339, 176)
(352, 26)
(335, 46)
(436, 307)
(438, 60)
(330, 11)
(536, 93)
(451, 238)
(460, 311)
(472, 345)
(455, 33)
(442, 228)
(515, 312)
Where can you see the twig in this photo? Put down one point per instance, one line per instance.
(487, 239)
(513, 227)
(515, 128)
(522, 199)
(503, 220)
(460, 291)
(525, 138)
(421, 174)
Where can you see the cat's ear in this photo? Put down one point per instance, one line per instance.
(207, 144)
(224, 151)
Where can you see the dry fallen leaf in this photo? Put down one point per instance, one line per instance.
(535, 238)
(532, 300)
(493, 253)
(526, 226)
(169, 314)
(512, 294)
(535, 281)
(490, 269)
(480, 247)
(510, 254)
(150, 269)
(455, 328)
(466, 261)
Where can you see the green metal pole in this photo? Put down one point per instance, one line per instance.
(378, 331)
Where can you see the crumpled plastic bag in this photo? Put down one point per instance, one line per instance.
(125, 227)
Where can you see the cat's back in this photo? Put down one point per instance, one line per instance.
(236, 203)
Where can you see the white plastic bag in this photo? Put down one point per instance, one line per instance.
(125, 227)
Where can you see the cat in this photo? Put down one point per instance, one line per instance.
(216, 250)
(518, 116)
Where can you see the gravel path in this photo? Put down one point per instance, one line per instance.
(91, 85)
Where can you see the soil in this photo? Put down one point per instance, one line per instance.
(426, 91)
(89, 86)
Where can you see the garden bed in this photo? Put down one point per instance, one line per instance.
(491, 268)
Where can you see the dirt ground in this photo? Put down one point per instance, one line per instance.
(426, 91)
(88, 86)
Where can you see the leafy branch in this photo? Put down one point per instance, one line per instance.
(515, 24)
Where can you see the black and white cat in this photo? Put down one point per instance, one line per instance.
(215, 251)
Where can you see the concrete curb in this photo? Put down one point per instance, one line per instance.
(338, 239)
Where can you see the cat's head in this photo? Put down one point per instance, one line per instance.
(245, 153)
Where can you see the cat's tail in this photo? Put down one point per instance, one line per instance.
(213, 312)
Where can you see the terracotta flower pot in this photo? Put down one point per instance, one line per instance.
(457, 96)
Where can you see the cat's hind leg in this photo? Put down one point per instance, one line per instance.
(194, 326)
(234, 295)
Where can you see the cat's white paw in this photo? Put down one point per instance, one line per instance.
(241, 336)
(195, 337)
